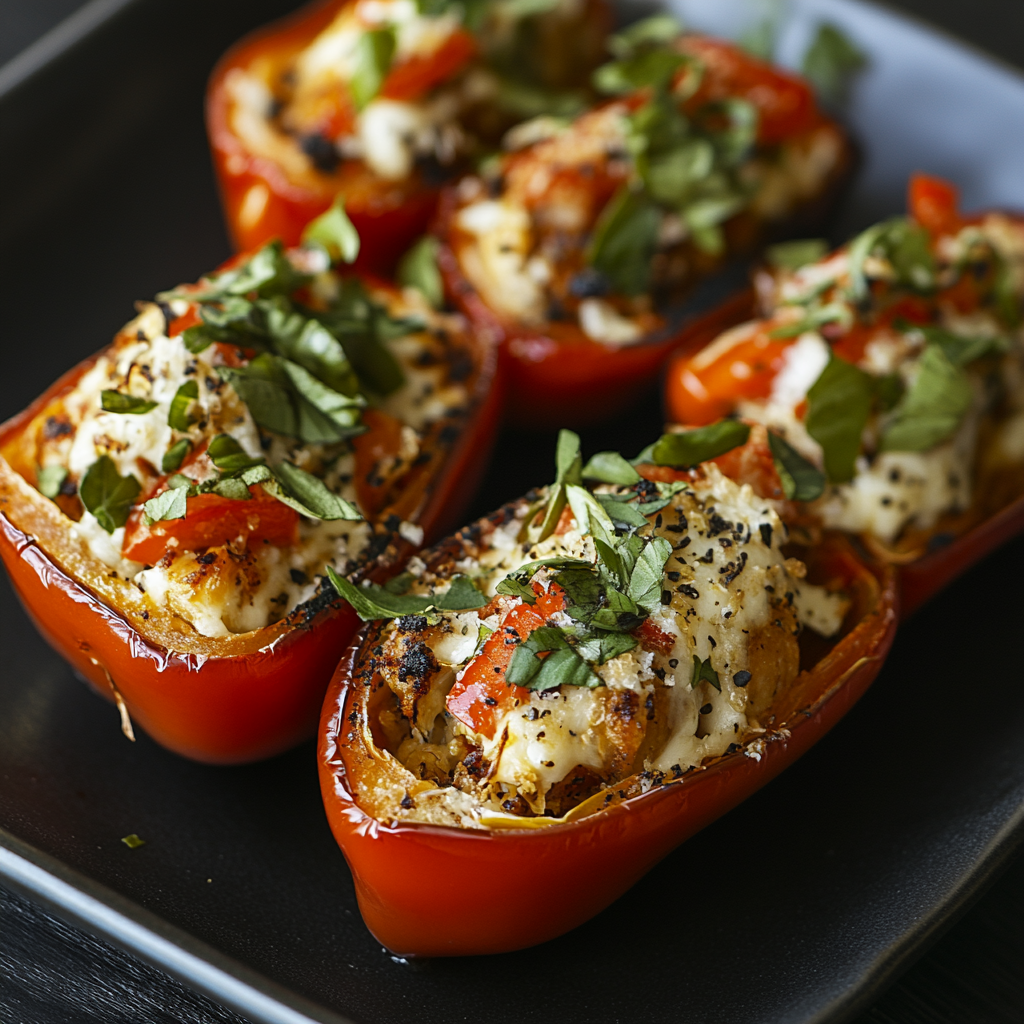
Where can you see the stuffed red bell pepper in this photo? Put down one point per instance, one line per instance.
(380, 101)
(168, 507)
(896, 366)
(577, 246)
(547, 703)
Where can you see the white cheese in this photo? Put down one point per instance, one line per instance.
(601, 322)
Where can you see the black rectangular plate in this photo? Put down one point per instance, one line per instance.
(792, 908)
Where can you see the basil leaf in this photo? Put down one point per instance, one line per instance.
(284, 397)
(462, 595)
(622, 513)
(904, 243)
(703, 672)
(374, 602)
(961, 350)
(115, 401)
(232, 487)
(838, 407)
(228, 455)
(169, 504)
(624, 240)
(198, 338)
(374, 52)
(513, 586)
(796, 254)
(590, 516)
(888, 390)
(49, 480)
(645, 581)
(801, 480)
(648, 69)
(610, 468)
(834, 312)
(736, 121)
(418, 269)
(568, 460)
(400, 584)
(562, 667)
(108, 495)
(177, 416)
(654, 30)
(599, 649)
(703, 218)
(175, 455)
(332, 229)
(315, 349)
(308, 494)
(692, 447)
(831, 61)
(267, 272)
(933, 408)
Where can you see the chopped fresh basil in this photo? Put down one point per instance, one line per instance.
(624, 241)
(308, 494)
(645, 579)
(831, 61)
(374, 52)
(703, 672)
(229, 456)
(268, 271)
(178, 414)
(169, 504)
(334, 231)
(562, 666)
(197, 338)
(801, 480)
(603, 647)
(115, 401)
(692, 447)
(375, 602)
(621, 511)
(655, 30)
(888, 390)
(175, 455)
(568, 471)
(838, 407)
(286, 398)
(50, 479)
(610, 468)
(232, 487)
(482, 633)
(932, 408)
(906, 247)
(796, 254)
(108, 495)
(961, 350)
(418, 269)
(814, 320)
(646, 69)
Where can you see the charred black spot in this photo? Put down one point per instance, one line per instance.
(320, 151)
(412, 623)
(589, 284)
(417, 663)
(298, 576)
(56, 426)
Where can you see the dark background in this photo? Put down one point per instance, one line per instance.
(53, 974)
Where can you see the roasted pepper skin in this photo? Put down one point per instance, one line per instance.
(430, 891)
(220, 700)
(389, 216)
(565, 377)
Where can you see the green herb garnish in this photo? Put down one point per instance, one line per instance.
(703, 672)
(50, 479)
(108, 495)
(831, 61)
(801, 480)
(178, 415)
(334, 231)
(691, 447)
(418, 269)
(375, 602)
(838, 407)
(374, 52)
(115, 401)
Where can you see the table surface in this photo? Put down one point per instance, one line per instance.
(51, 973)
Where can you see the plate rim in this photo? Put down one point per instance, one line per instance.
(84, 903)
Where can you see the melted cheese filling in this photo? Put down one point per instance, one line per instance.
(725, 583)
(892, 490)
(234, 588)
